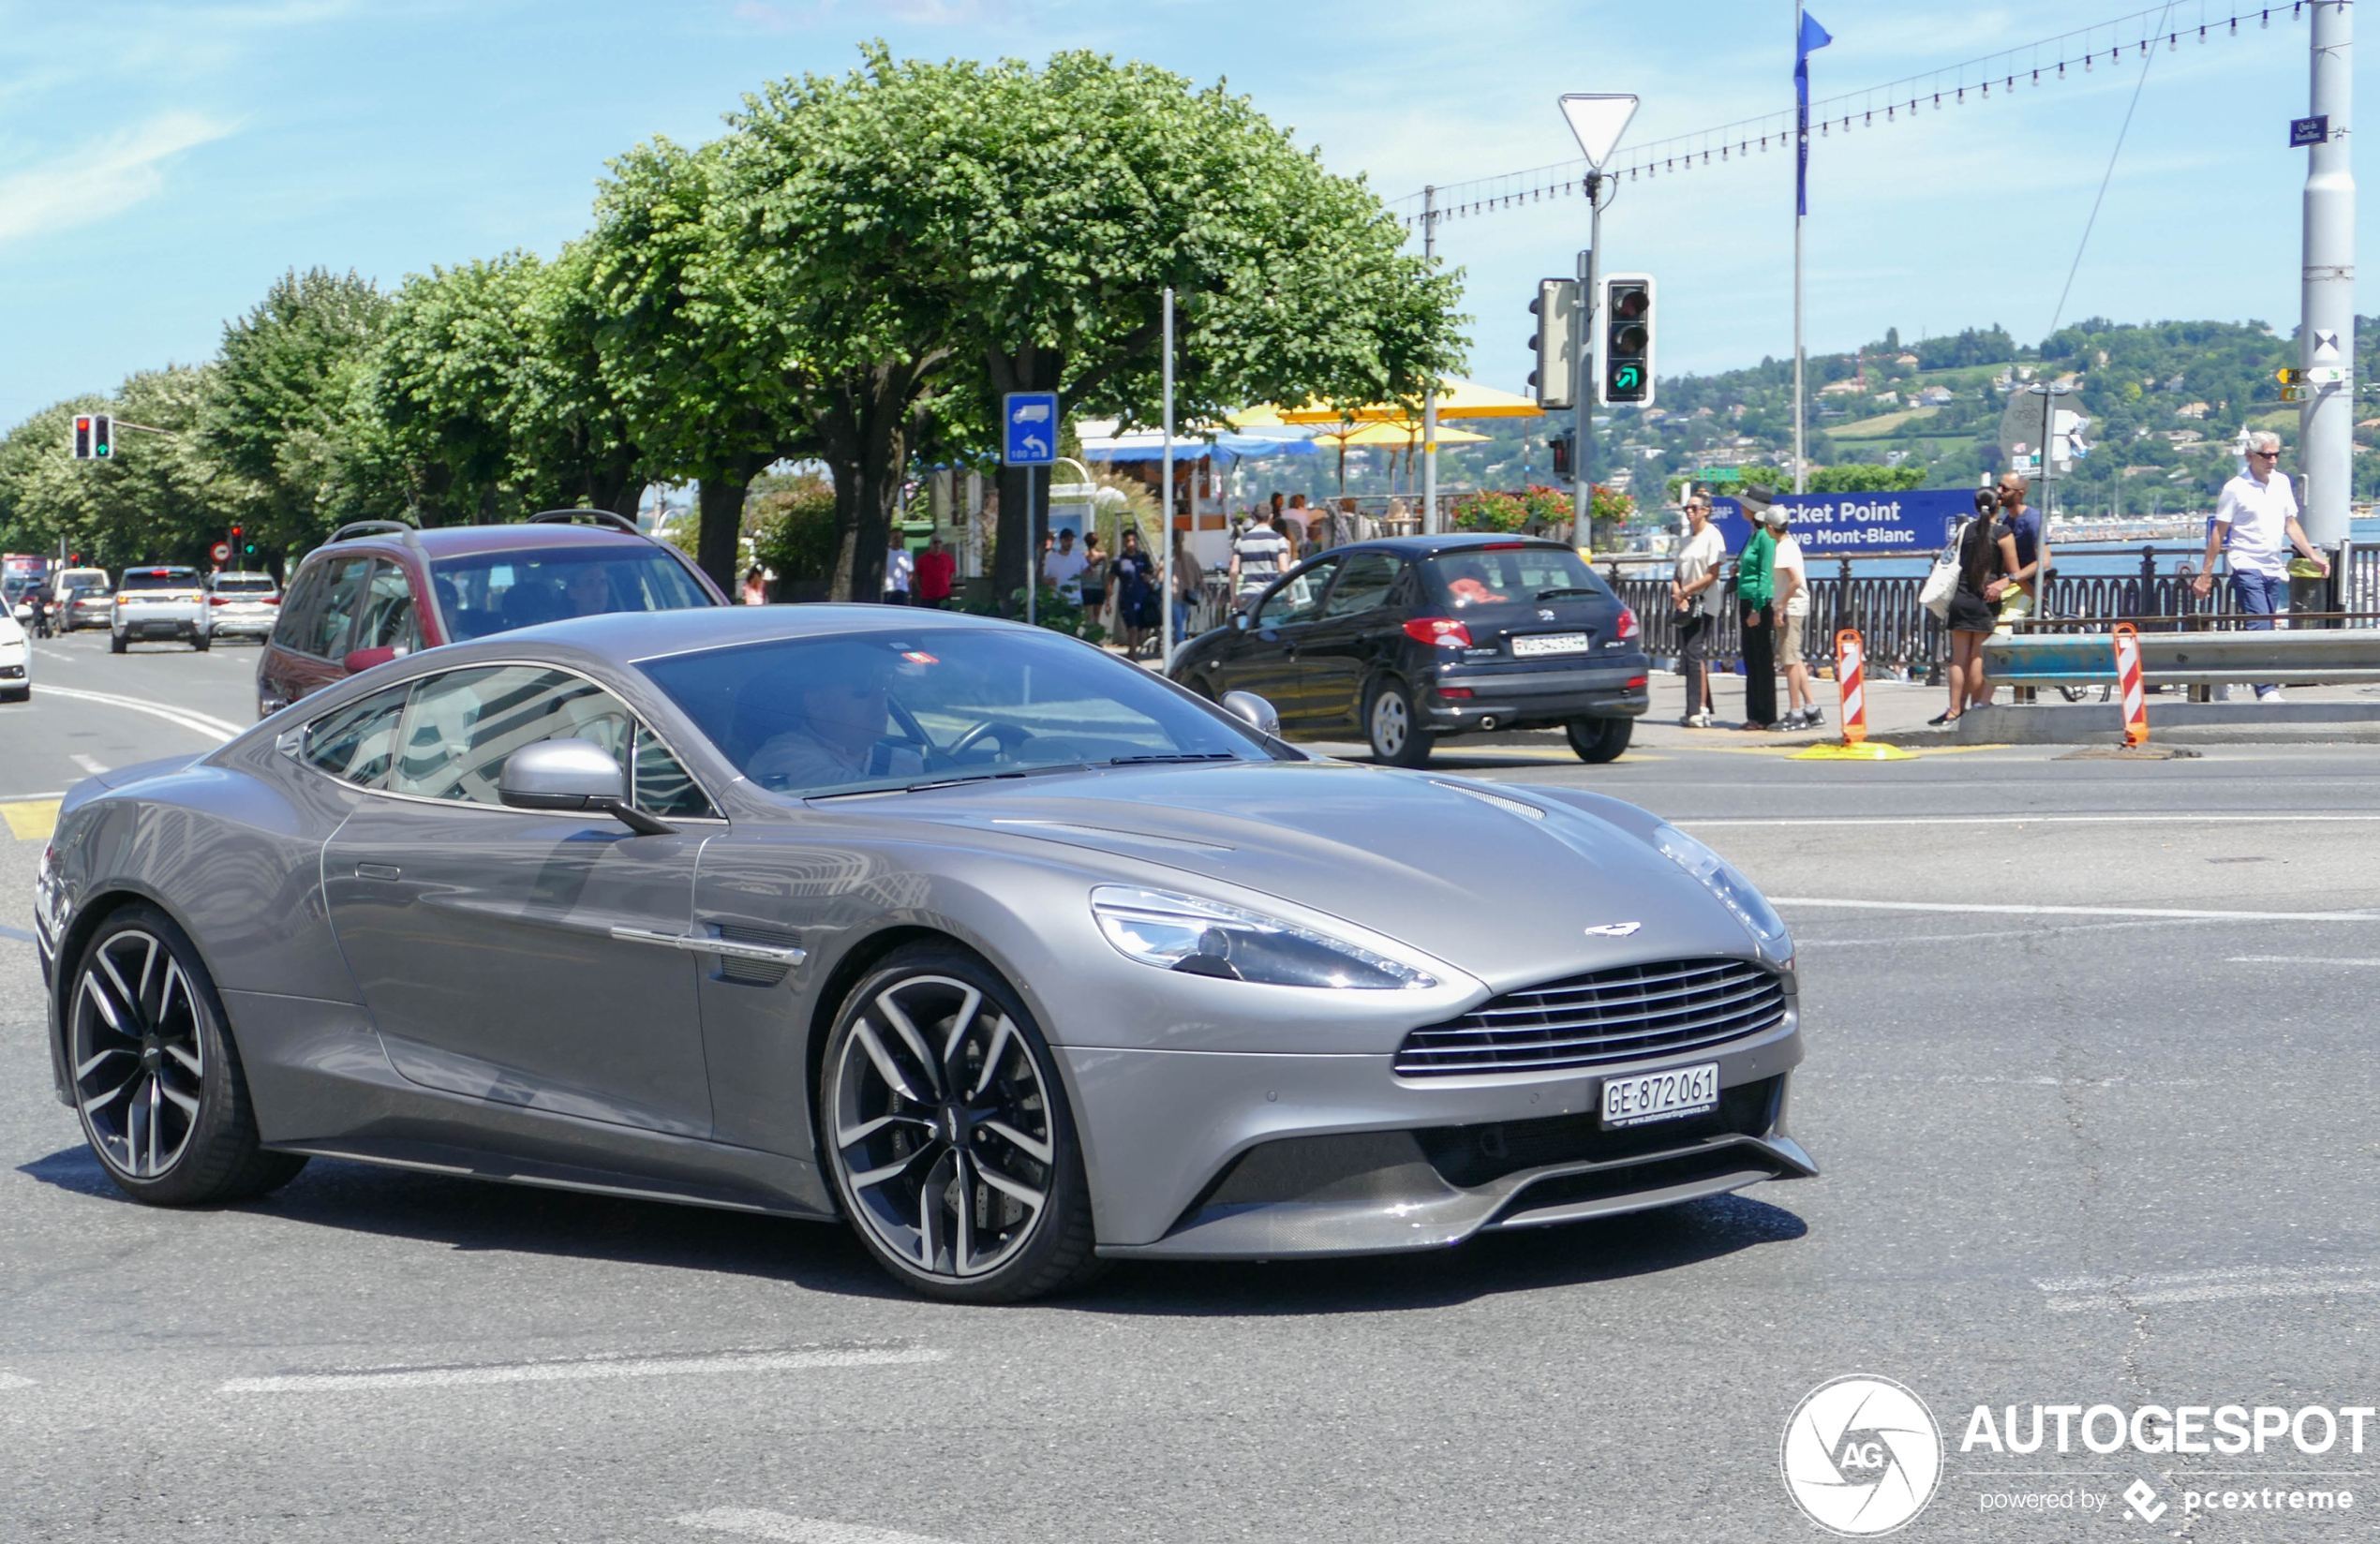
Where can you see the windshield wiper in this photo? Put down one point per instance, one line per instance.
(1183, 756)
(1560, 590)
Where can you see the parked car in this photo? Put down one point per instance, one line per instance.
(16, 660)
(158, 602)
(87, 606)
(377, 590)
(243, 605)
(1005, 950)
(1407, 642)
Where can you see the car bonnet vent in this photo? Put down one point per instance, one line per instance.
(756, 973)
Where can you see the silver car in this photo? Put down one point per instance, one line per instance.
(1007, 952)
(243, 605)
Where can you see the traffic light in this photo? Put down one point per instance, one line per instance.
(1624, 344)
(82, 436)
(102, 437)
(1562, 445)
(1553, 382)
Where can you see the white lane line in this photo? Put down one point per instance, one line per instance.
(2080, 1294)
(2003, 909)
(589, 1368)
(204, 723)
(11, 1380)
(2045, 930)
(2296, 959)
(89, 763)
(2173, 818)
(751, 1522)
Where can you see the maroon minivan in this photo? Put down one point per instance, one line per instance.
(378, 589)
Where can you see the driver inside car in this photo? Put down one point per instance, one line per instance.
(1467, 583)
(837, 732)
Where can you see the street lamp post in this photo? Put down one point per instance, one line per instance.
(1598, 119)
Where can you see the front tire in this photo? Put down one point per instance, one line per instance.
(201, 642)
(117, 643)
(1600, 740)
(157, 1082)
(1392, 727)
(948, 1137)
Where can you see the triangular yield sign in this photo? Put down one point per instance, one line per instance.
(1598, 120)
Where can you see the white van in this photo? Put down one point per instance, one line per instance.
(66, 579)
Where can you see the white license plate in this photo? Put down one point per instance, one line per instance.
(1539, 645)
(1665, 1095)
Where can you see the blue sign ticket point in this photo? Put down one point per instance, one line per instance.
(1832, 524)
(1029, 429)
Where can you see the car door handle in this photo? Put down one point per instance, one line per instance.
(378, 871)
(696, 944)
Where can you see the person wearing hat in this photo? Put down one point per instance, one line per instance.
(1756, 602)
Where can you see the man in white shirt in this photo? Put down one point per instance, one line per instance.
(1694, 595)
(2256, 522)
(1064, 567)
(1792, 608)
(1259, 554)
(899, 569)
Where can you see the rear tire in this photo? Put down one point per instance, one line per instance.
(1391, 726)
(162, 1094)
(202, 643)
(1600, 739)
(117, 643)
(948, 1137)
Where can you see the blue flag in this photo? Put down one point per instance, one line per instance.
(1813, 37)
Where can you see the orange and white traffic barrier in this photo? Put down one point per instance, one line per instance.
(1849, 658)
(2128, 680)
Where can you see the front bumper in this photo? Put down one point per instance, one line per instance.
(1514, 699)
(1321, 1156)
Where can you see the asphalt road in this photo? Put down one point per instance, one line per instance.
(2091, 1079)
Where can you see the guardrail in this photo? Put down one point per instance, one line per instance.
(2294, 657)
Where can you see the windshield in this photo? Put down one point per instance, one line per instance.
(1517, 574)
(160, 579)
(848, 715)
(493, 592)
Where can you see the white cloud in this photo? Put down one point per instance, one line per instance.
(100, 178)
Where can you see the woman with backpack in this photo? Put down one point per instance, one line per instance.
(1987, 550)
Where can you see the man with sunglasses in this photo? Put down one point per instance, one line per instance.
(2256, 523)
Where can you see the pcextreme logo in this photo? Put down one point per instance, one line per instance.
(1861, 1456)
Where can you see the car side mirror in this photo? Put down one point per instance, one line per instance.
(365, 659)
(1255, 711)
(1240, 620)
(574, 776)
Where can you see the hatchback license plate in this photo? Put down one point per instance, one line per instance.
(1537, 644)
(1669, 1094)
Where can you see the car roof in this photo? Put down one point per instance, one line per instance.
(631, 635)
(1428, 547)
(437, 541)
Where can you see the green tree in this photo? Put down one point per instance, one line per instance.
(451, 349)
(1865, 477)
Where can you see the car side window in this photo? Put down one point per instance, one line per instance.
(356, 743)
(295, 627)
(1299, 598)
(342, 594)
(664, 786)
(1364, 583)
(465, 725)
(386, 618)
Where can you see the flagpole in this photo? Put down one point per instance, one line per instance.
(1801, 170)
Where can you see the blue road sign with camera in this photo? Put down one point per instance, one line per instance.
(1029, 433)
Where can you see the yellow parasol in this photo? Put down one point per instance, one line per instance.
(1396, 435)
(1456, 399)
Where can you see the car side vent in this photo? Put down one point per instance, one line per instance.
(756, 973)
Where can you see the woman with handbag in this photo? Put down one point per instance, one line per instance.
(1987, 550)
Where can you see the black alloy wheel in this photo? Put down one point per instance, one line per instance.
(1600, 739)
(157, 1082)
(1392, 726)
(948, 1134)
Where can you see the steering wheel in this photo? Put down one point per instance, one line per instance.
(1010, 736)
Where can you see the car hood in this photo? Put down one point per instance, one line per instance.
(1457, 869)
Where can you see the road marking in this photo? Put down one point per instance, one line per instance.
(2045, 930)
(1988, 908)
(10, 1380)
(2296, 960)
(586, 1368)
(2080, 1294)
(207, 725)
(89, 763)
(32, 820)
(2177, 818)
(751, 1522)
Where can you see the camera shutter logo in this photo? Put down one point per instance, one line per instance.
(1861, 1456)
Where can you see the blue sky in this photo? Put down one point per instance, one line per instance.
(160, 163)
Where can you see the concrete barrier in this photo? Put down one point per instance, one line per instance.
(2308, 657)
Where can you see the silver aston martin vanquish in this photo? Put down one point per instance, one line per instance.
(1011, 954)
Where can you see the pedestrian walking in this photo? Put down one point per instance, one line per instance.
(1134, 588)
(936, 569)
(1755, 601)
(1793, 617)
(1062, 571)
(1259, 554)
(2255, 524)
(1189, 585)
(1094, 579)
(1695, 596)
(899, 569)
(756, 587)
(1987, 554)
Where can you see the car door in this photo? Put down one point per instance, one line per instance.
(309, 647)
(1355, 628)
(525, 956)
(386, 616)
(1265, 658)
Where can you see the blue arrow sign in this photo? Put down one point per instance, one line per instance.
(1029, 429)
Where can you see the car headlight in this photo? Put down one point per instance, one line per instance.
(1734, 891)
(1176, 932)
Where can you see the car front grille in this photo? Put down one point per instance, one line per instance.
(1608, 1016)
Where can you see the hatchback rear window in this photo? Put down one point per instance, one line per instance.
(487, 593)
(244, 585)
(1513, 575)
(160, 579)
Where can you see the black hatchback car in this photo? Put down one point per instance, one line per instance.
(1410, 640)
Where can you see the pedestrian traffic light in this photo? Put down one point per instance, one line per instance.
(1624, 344)
(1553, 382)
(1563, 445)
